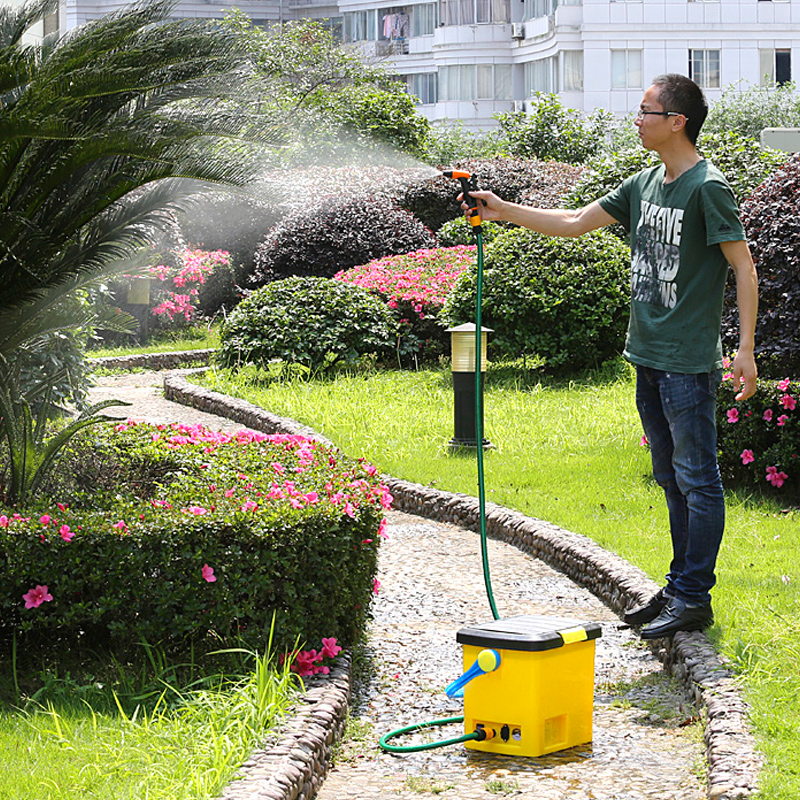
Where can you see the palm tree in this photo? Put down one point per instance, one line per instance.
(103, 132)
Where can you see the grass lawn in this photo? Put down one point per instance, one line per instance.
(128, 734)
(196, 337)
(569, 452)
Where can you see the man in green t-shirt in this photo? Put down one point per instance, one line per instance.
(685, 231)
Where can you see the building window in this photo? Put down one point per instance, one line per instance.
(704, 68)
(475, 82)
(626, 69)
(776, 67)
(473, 12)
(361, 26)
(424, 19)
(424, 87)
(540, 76)
(539, 8)
(572, 71)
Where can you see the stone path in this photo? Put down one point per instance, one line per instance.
(645, 744)
(646, 741)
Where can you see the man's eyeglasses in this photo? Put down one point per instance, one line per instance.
(640, 114)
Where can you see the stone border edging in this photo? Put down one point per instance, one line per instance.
(733, 763)
(154, 361)
(293, 763)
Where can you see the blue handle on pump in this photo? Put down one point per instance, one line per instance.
(487, 661)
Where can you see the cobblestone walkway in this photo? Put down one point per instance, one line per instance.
(431, 585)
(646, 743)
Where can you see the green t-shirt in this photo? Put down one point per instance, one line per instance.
(678, 270)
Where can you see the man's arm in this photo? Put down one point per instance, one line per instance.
(744, 364)
(564, 222)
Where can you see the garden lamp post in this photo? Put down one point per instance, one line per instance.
(139, 298)
(465, 398)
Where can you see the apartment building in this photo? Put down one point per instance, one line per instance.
(471, 59)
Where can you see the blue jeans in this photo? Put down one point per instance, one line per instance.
(677, 412)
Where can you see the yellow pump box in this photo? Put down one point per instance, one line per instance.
(540, 698)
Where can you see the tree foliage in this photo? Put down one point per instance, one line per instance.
(102, 132)
(747, 109)
(339, 107)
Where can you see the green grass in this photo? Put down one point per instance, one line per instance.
(569, 452)
(76, 739)
(197, 337)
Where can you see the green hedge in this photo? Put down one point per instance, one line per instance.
(289, 526)
(564, 301)
(316, 322)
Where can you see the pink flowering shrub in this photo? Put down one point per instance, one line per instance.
(313, 662)
(414, 287)
(199, 540)
(759, 440)
(179, 289)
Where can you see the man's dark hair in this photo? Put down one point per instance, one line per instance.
(681, 94)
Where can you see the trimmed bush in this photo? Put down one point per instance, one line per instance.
(338, 235)
(759, 439)
(414, 287)
(458, 231)
(237, 527)
(316, 322)
(563, 300)
(771, 218)
(535, 183)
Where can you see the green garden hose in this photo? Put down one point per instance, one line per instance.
(479, 426)
(413, 748)
(467, 183)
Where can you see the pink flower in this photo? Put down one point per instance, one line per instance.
(304, 663)
(789, 402)
(748, 457)
(3, 521)
(249, 505)
(782, 420)
(208, 574)
(329, 648)
(230, 492)
(382, 528)
(35, 597)
(312, 498)
(66, 534)
(198, 511)
(45, 519)
(767, 415)
(386, 498)
(121, 526)
(783, 385)
(733, 414)
(349, 509)
(776, 478)
(376, 586)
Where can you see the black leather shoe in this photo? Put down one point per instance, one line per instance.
(677, 616)
(646, 612)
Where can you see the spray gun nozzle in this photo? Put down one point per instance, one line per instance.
(468, 184)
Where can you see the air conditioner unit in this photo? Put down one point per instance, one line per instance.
(519, 106)
(517, 30)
